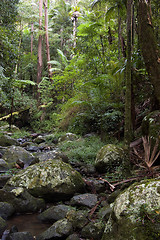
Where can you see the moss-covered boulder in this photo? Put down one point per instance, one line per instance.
(15, 154)
(52, 180)
(6, 140)
(68, 137)
(109, 158)
(93, 230)
(151, 124)
(136, 213)
(21, 200)
(59, 230)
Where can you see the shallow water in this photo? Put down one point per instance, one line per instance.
(29, 223)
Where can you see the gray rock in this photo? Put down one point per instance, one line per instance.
(54, 213)
(39, 139)
(6, 128)
(15, 153)
(87, 200)
(78, 218)
(4, 179)
(68, 137)
(135, 213)
(104, 213)
(6, 210)
(21, 200)
(52, 180)
(93, 230)
(59, 230)
(3, 165)
(6, 140)
(109, 158)
(54, 154)
(3, 226)
(20, 236)
(73, 236)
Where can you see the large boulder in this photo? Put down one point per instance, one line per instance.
(109, 158)
(53, 180)
(135, 214)
(15, 154)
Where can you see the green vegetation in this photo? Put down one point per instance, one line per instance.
(82, 150)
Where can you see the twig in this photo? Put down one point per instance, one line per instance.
(110, 185)
(94, 208)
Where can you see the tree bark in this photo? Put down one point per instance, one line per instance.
(47, 38)
(128, 119)
(39, 67)
(32, 30)
(148, 45)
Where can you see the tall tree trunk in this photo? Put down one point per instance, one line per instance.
(128, 98)
(39, 67)
(47, 38)
(128, 121)
(148, 45)
(32, 30)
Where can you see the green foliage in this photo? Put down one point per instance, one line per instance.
(83, 149)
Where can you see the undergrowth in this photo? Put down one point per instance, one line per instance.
(83, 149)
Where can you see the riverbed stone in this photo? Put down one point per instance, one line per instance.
(16, 153)
(54, 154)
(68, 137)
(135, 213)
(109, 158)
(6, 140)
(3, 179)
(20, 236)
(78, 218)
(93, 230)
(59, 230)
(52, 180)
(87, 200)
(3, 165)
(54, 213)
(6, 210)
(21, 200)
(73, 236)
(3, 226)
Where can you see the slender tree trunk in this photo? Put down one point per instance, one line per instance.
(47, 38)
(148, 45)
(39, 67)
(128, 121)
(32, 30)
(128, 98)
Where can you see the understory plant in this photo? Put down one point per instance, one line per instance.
(150, 156)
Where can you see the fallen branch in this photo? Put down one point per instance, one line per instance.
(94, 208)
(112, 187)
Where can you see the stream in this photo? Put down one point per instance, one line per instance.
(29, 223)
